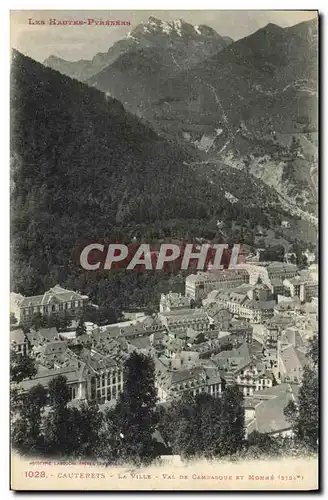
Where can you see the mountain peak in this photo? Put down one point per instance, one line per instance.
(205, 30)
(52, 58)
(177, 28)
(273, 28)
(152, 19)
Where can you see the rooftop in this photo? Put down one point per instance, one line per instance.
(57, 294)
(17, 336)
(45, 376)
(140, 342)
(217, 275)
(269, 407)
(281, 266)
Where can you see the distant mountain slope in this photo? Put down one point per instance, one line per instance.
(246, 103)
(187, 43)
(267, 80)
(83, 69)
(266, 66)
(252, 105)
(135, 77)
(83, 168)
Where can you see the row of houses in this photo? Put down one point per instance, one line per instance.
(198, 285)
(91, 373)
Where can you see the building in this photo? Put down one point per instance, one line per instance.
(277, 287)
(273, 330)
(105, 380)
(281, 270)
(19, 342)
(220, 316)
(42, 336)
(240, 367)
(264, 411)
(260, 291)
(54, 301)
(122, 331)
(75, 376)
(287, 306)
(241, 330)
(303, 287)
(210, 347)
(91, 375)
(52, 354)
(173, 347)
(196, 319)
(253, 378)
(255, 271)
(291, 364)
(240, 305)
(196, 380)
(198, 285)
(141, 345)
(173, 301)
(158, 339)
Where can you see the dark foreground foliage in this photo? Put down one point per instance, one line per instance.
(44, 424)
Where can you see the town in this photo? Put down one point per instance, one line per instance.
(249, 324)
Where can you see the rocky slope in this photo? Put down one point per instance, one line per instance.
(186, 44)
(83, 168)
(251, 104)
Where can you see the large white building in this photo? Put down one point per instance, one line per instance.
(92, 376)
(196, 319)
(200, 284)
(304, 287)
(281, 270)
(173, 301)
(56, 300)
(246, 304)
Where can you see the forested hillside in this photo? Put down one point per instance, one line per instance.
(83, 168)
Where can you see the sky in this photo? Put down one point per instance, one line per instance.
(84, 42)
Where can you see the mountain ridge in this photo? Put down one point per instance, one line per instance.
(83, 168)
(191, 43)
(241, 105)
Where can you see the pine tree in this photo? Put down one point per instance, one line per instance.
(110, 440)
(184, 426)
(307, 423)
(81, 328)
(89, 424)
(210, 425)
(193, 426)
(313, 353)
(26, 429)
(305, 414)
(58, 439)
(135, 412)
(233, 420)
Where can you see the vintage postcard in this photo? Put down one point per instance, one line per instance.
(164, 300)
